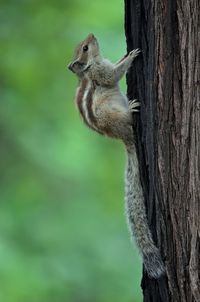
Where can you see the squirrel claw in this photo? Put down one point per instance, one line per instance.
(133, 105)
(134, 53)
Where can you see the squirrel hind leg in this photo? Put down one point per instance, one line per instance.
(153, 264)
(133, 105)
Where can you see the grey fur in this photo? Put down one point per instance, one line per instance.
(137, 220)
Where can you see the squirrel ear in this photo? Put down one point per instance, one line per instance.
(90, 37)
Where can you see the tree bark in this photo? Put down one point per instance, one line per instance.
(165, 78)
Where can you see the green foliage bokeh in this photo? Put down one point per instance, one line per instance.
(63, 235)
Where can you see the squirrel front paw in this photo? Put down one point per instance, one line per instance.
(134, 53)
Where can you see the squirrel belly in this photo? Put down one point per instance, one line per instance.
(112, 114)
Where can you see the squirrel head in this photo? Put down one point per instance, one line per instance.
(86, 53)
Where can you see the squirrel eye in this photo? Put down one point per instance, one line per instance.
(85, 48)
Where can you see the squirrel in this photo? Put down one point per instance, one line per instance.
(107, 111)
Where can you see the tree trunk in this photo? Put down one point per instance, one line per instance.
(165, 78)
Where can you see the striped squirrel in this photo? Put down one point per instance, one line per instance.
(107, 111)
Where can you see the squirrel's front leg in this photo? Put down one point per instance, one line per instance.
(123, 65)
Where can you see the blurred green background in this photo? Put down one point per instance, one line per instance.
(63, 234)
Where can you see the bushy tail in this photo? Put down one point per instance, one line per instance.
(137, 220)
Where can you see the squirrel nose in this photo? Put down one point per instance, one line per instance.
(70, 66)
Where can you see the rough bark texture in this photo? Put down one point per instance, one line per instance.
(166, 80)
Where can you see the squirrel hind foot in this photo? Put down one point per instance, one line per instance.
(154, 265)
(133, 105)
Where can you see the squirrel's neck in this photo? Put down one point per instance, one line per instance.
(97, 59)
